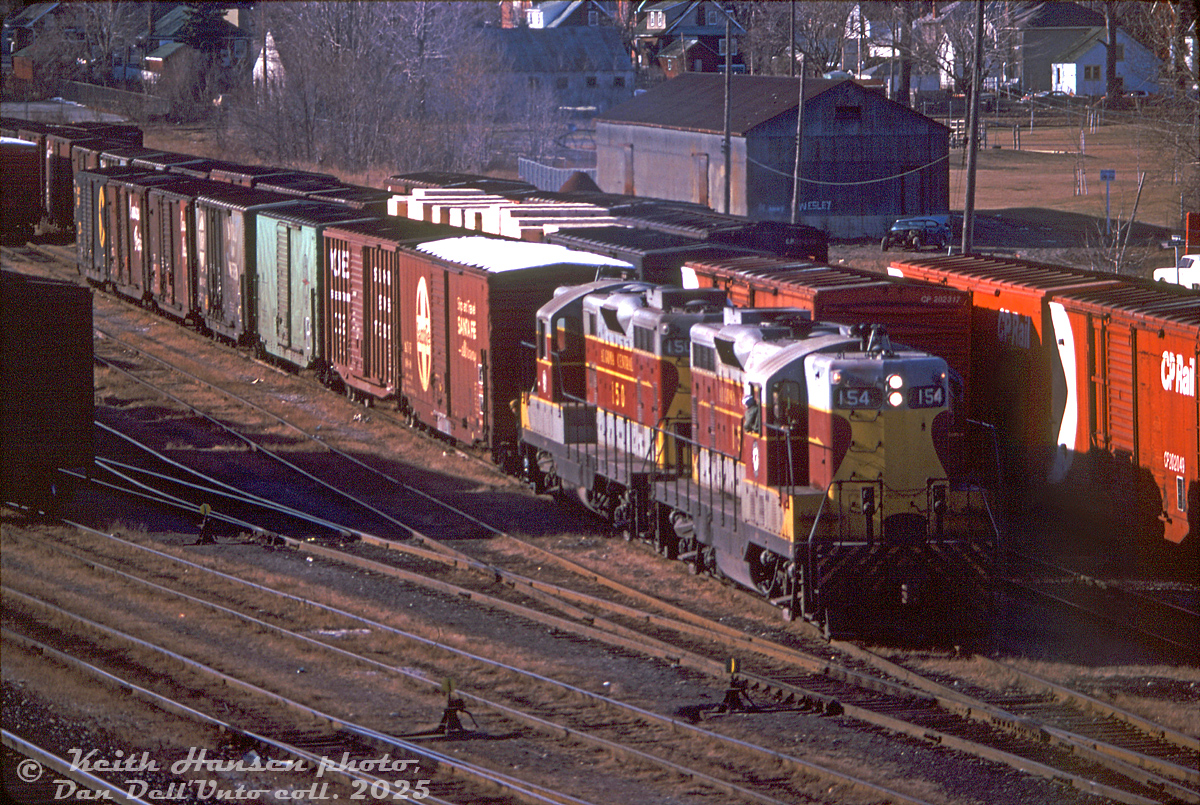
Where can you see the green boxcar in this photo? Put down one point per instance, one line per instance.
(291, 278)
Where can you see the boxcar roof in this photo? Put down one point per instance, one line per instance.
(236, 197)
(1144, 302)
(397, 229)
(1015, 274)
(497, 256)
(314, 213)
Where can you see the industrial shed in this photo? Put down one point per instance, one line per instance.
(866, 160)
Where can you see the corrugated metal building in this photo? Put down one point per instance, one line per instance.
(866, 160)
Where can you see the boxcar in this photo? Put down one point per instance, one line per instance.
(19, 207)
(1129, 441)
(60, 163)
(163, 160)
(655, 256)
(121, 155)
(128, 223)
(368, 199)
(1011, 344)
(299, 184)
(473, 303)
(362, 312)
(226, 251)
(291, 279)
(244, 175)
(171, 238)
(46, 370)
(94, 216)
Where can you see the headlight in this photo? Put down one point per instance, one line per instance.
(895, 381)
(835, 377)
(895, 398)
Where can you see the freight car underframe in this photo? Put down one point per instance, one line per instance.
(845, 573)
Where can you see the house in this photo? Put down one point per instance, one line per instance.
(585, 68)
(22, 27)
(685, 36)
(1038, 36)
(234, 49)
(1080, 68)
(866, 160)
(268, 71)
(561, 13)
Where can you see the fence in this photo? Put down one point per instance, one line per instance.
(135, 105)
(544, 177)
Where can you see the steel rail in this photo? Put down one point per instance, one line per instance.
(527, 718)
(675, 655)
(523, 790)
(265, 451)
(109, 791)
(168, 705)
(649, 716)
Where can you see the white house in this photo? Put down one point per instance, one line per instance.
(1080, 68)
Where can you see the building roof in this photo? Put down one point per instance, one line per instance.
(696, 102)
(557, 12)
(554, 50)
(1058, 15)
(169, 25)
(28, 16)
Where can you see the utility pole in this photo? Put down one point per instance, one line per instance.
(726, 146)
(799, 147)
(968, 234)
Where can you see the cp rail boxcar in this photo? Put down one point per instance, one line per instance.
(1012, 349)
(46, 371)
(362, 309)
(290, 266)
(1129, 439)
(473, 303)
(1039, 393)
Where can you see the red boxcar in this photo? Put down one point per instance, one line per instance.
(1013, 359)
(473, 302)
(129, 270)
(171, 233)
(362, 312)
(1130, 435)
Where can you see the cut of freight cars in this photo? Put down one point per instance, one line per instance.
(47, 407)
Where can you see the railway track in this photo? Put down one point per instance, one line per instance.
(840, 689)
(1166, 618)
(812, 693)
(628, 727)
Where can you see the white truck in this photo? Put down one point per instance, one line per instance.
(1186, 273)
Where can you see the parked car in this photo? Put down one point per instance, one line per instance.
(1186, 273)
(919, 232)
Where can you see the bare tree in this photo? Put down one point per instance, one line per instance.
(109, 32)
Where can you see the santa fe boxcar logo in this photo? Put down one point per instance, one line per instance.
(424, 334)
